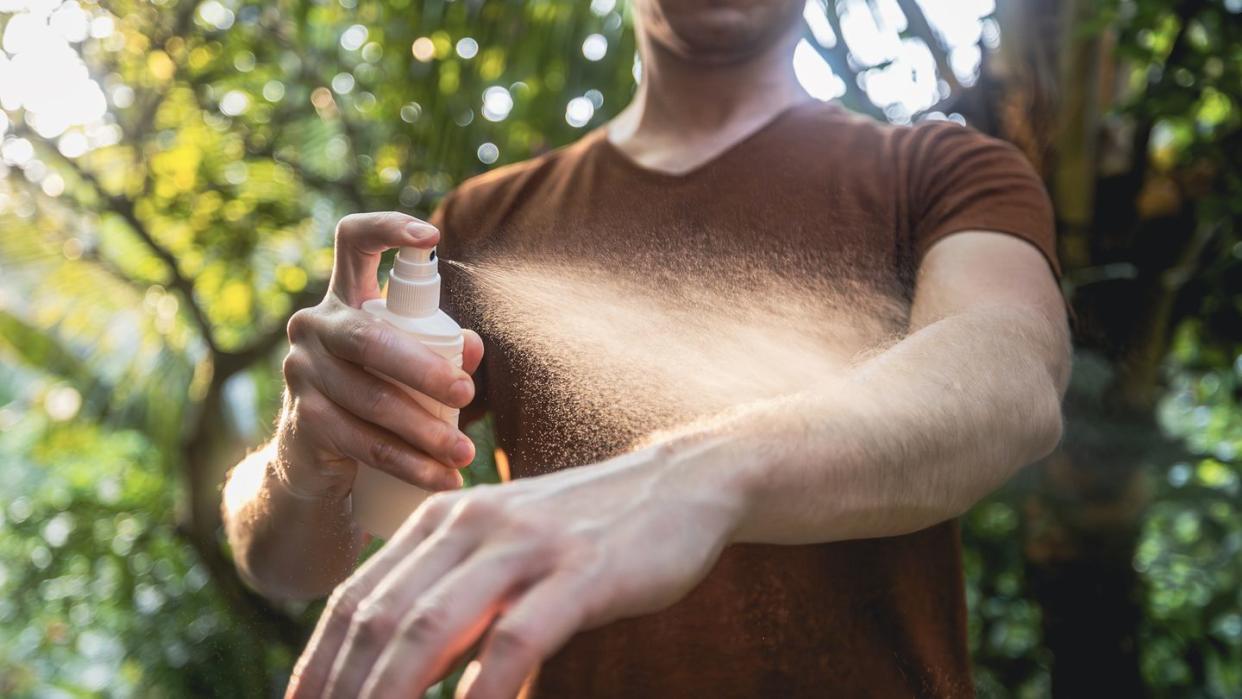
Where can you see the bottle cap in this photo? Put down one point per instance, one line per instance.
(414, 284)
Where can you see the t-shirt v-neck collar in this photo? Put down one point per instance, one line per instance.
(615, 155)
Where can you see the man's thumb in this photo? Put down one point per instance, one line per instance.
(361, 239)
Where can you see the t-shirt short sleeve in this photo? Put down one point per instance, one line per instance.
(961, 180)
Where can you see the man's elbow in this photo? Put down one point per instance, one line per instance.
(1040, 419)
(1043, 426)
(1048, 435)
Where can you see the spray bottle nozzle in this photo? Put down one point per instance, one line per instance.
(413, 254)
(414, 285)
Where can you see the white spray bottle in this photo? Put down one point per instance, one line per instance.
(381, 502)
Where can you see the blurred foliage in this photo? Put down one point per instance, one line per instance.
(149, 258)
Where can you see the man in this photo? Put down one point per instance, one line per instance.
(805, 548)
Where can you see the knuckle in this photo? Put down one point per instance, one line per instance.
(373, 625)
(475, 510)
(299, 325)
(294, 366)
(347, 225)
(512, 639)
(379, 397)
(382, 452)
(429, 620)
(392, 219)
(438, 506)
(532, 528)
(355, 224)
(344, 602)
(365, 340)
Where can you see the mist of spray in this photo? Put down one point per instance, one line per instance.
(617, 354)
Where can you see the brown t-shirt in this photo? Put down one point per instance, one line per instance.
(833, 195)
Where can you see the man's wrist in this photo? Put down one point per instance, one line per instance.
(293, 504)
(714, 469)
(282, 468)
(760, 458)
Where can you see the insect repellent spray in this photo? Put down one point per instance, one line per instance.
(381, 502)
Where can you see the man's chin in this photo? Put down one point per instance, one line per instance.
(715, 47)
(717, 36)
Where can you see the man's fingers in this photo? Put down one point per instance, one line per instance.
(472, 351)
(392, 408)
(310, 674)
(365, 340)
(442, 623)
(360, 238)
(538, 623)
(379, 448)
(378, 618)
(314, 668)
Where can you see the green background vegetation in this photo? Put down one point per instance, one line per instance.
(143, 301)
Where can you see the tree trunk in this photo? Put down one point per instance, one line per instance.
(208, 450)
(1084, 514)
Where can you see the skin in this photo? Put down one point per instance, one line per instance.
(517, 569)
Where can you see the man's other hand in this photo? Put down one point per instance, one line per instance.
(520, 566)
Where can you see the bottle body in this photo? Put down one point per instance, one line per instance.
(382, 502)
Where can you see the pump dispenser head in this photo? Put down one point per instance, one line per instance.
(414, 284)
(413, 254)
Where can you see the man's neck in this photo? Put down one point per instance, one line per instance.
(686, 113)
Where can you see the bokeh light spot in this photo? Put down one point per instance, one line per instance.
(343, 83)
(467, 48)
(579, 111)
(353, 38)
(234, 103)
(497, 103)
(424, 49)
(62, 402)
(410, 112)
(595, 47)
(274, 91)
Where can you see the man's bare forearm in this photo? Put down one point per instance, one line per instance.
(914, 436)
(287, 545)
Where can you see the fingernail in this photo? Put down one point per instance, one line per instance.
(420, 231)
(454, 481)
(463, 453)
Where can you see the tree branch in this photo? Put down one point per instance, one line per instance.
(229, 363)
(124, 207)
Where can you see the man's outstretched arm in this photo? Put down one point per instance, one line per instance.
(920, 432)
(911, 437)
